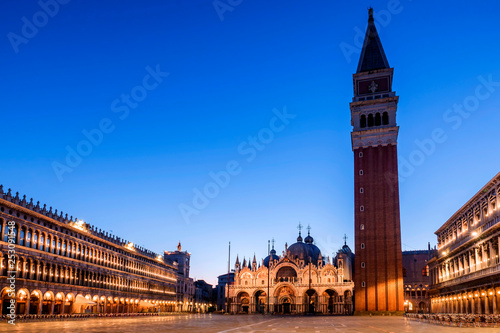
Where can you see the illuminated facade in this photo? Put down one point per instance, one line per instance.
(185, 290)
(61, 266)
(416, 280)
(465, 274)
(299, 281)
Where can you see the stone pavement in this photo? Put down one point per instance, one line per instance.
(240, 323)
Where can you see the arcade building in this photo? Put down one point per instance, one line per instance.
(65, 266)
(465, 273)
(299, 281)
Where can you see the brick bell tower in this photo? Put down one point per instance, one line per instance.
(378, 266)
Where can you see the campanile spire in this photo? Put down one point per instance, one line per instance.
(372, 54)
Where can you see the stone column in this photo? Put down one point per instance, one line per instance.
(476, 260)
(486, 303)
(498, 247)
(491, 256)
(494, 300)
(28, 300)
(484, 259)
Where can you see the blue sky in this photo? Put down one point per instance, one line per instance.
(88, 66)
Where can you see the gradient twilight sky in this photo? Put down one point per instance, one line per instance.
(226, 76)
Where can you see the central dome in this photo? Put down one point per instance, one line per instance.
(304, 251)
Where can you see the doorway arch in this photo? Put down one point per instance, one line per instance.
(260, 301)
(311, 301)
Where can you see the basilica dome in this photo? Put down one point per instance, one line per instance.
(304, 251)
(272, 255)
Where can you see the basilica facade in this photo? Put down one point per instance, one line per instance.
(299, 281)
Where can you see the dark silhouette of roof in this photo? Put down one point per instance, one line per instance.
(372, 55)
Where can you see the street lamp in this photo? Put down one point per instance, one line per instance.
(268, 265)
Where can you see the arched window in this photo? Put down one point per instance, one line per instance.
(47, 247)
(15, 231)
(59, 247)
(28, 239)
(63, 248)
(21, 237)
(362, 121)
(35, 241)
(370, 120)
(378, 119)
(6, 233)
(42, 242)
(362, 227)
(286, 272)
(425, 271)
(53, 245)
(385, 118)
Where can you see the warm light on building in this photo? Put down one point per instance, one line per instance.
(130, 246)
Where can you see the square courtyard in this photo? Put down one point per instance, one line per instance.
(240, 323)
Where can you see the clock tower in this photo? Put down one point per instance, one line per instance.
(378, 274)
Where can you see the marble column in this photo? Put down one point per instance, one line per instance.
(27, 310)
(477, 265)
(486, 303)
